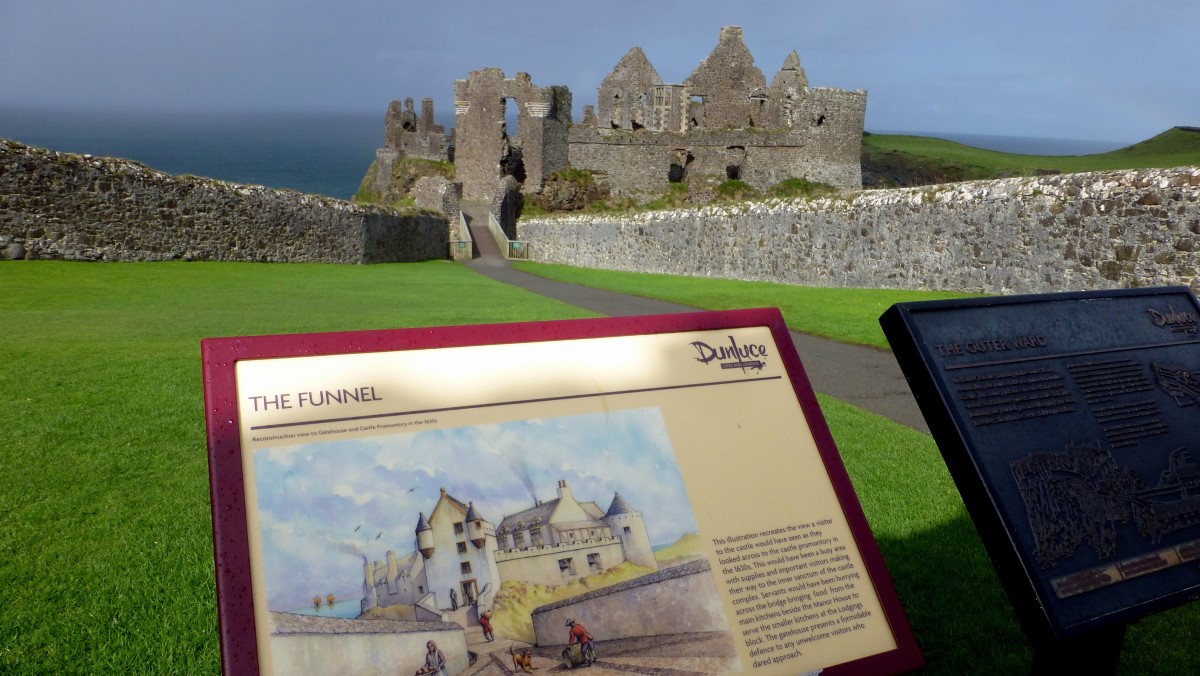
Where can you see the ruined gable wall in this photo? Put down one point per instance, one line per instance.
(625, 95)
(762, 136)
(1102, 230)
(725, 79)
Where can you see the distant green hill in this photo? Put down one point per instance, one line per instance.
(892, 160)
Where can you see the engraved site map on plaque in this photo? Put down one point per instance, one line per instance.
(1071, 424)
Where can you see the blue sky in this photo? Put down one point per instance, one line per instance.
(1096, 69)
(325, 506)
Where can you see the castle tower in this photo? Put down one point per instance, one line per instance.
(475, 530)
(627, 524)
(369, 599)
(424, 536)
(393, 570)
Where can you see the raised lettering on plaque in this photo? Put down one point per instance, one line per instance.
(1069, 423)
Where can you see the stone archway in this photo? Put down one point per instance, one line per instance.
(484, 145)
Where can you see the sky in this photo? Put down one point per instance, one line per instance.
(324, 507)
(1119, 70)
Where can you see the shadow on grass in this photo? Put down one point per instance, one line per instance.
(953, 598)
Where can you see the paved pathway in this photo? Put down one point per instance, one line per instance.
(863, 376)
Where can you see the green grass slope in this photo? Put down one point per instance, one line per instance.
(895, 160)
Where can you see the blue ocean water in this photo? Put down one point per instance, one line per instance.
(324, 154)
(320, 153)
(349, 608)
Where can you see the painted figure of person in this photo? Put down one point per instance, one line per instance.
(485, 621)
(453, 599)
(435, 661)
(577, 634)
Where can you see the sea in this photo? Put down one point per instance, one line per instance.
(349, 608)
(319, 153)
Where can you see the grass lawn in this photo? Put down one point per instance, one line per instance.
(953, 161)
(105, 536)
(847, 315)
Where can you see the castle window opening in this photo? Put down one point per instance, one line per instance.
(733, 172)
(627, 531)
(462, 548)
(518, 540)
(566, 566)
(535, 538)
(458, 528)
(594, 563)
(465, 567)
(820, 120)
(512, 117)
(677, 171)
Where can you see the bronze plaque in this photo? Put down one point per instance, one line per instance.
(1071, 425)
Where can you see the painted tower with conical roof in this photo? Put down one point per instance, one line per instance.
(626, 523)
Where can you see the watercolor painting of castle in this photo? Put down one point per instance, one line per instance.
(553, 542)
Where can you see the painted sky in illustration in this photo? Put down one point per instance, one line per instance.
(325, 506)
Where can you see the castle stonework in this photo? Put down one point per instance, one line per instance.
(723, 122)
(486, 150)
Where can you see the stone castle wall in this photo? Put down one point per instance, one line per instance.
(1116, 229)
(77, 207)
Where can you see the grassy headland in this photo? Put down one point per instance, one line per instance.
(894, 160)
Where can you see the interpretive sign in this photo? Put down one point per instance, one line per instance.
(428, 498)
(1070, 424)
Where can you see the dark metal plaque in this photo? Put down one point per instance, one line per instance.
(1071, 425)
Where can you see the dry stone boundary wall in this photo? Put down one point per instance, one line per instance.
(77, 207)
(1117, 229)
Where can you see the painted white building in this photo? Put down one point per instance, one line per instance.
(455, 550)
(551, 543)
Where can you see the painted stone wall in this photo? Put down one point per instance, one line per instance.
(304, 644)
(1118, 229)
(684, 598)
(77, 207)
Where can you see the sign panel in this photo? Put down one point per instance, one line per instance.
(636, 482)
(1069, 423)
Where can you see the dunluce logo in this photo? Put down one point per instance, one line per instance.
(1179, 322)
(732, 356)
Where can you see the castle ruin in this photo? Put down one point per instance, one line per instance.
(723, 122)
